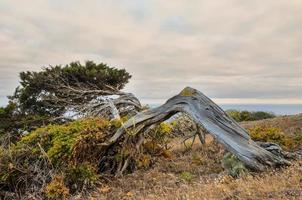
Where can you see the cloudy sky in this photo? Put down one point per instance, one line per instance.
(235, 51)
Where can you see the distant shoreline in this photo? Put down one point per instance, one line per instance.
(278, 109)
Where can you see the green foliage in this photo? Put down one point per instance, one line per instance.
(275, 135)
(158, 139)
(58, 140)
(267, 134)
(46, 84)
(67, 157)
(82, 174)
(163, 129)
(233, 165)
(64, 156)
(13, 123)
(298, 138)
(240, 116)
(117, 123)
(32, 104)
(186, 176)
(7, 121)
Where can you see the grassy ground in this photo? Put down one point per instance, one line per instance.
(197, 174)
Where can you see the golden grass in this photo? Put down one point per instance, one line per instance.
(164, 181)
(209, 181)
(157, 184)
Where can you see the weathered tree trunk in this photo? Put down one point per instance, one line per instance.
(212, 118)
(111, 108)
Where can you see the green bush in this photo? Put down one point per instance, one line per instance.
(67, 151)
(233, 165)
(162, 130)
(158, 138)
(84, 174)
(271, 134)
(244, 115)
(58, 140)
(186, 176)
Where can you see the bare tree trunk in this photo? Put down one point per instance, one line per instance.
(213, 119)
(114, 110)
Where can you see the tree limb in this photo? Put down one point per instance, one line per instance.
(213, 119)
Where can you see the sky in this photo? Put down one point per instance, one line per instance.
(234, 51)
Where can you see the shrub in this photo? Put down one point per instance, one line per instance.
(56, 189)
(187, 176)
(267, 134)
(52, 153)
(20, 166)
(81, 175)
(67, 158)
(58, 140)
(271, 134)
(162, 132)
(158, 139)
(233, 165)
(164, 128)
(298, 139)
(244, 115)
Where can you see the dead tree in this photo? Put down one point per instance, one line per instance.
(210, 117)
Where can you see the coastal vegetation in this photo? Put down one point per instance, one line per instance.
(71, 132)
(245, 115)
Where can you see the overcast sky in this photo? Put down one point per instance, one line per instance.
(235, 51)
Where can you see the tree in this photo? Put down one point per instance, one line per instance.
(88, 90)
(6, 120)
(75, 89)
(210, 117)
(13, 123)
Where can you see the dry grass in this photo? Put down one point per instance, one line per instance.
(163, 180)
(282, 184)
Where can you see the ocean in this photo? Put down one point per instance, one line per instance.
(278, 109)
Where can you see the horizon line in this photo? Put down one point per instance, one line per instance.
(238, 101)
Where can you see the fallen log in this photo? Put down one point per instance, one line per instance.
(213, 119)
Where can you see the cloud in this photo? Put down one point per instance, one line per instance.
(227, 49)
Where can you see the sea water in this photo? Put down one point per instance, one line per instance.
(278, 109)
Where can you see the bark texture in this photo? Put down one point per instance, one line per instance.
(213, 119)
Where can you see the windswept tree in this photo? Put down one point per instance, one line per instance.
(75, 90)
(95, 90)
